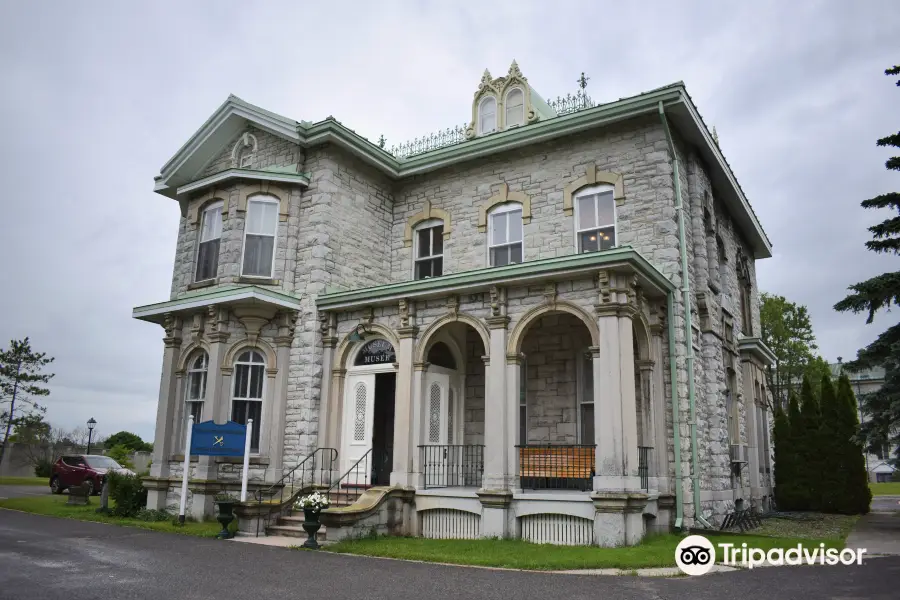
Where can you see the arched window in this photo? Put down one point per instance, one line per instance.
(208, 243)
(515, 108)
(376, 352)
(245, 159)
(259, 236)
(195, 390)
(595, 219)
(249, 382)
(429, 248)
(487, 115)
(505, 235)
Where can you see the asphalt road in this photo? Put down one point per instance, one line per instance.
(17, 491)
(885, 503)
(48, 558)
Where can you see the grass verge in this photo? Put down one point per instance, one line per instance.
(655, 551)
(890, 488)
(55, 506)
(24, 481)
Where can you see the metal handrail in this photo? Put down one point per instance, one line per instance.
(353, 467)
(328, 456)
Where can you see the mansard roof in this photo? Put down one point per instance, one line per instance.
(232, 117)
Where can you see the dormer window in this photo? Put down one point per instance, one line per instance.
(487, 115)
(595, 219)
(429, 244)
(515, 108)
(505, 235)
(208, 247)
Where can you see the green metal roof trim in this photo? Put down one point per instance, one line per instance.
(523, 273)
(256, 174)
(215, 296)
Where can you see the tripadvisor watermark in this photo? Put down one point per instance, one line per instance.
(696, 555)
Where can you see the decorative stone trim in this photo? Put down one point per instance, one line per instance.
(644, 365)
(514, 359)
(591, 177)
(425, 214)
(329, 341)
(502, 197)
(421, 366)
(521, 327)
(199, 203)
(250, 189)
(499, 88)
(619, 502)
(499, 322)
(495, 498)
(410, 331)
(258, 280)
(202, 284)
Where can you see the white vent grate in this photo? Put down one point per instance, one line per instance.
(450, 524)
(434, 414)
(562, 530)
(359, 418)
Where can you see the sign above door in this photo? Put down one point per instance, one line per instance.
(375, 352)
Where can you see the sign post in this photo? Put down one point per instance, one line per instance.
(187, 467)
(246, 471)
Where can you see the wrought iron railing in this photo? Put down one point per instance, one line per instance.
(315, 469)
(564, 105)
(550, 467)
(452, 465)
(644, 466)
(357, 478)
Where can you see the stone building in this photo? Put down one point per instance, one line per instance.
(546, 321)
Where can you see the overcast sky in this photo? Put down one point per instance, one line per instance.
(97, 96)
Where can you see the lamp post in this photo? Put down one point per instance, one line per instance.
(91, 422)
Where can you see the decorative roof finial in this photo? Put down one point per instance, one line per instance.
(381, 141)
(582, 81)
(514, 70)
(715, 135)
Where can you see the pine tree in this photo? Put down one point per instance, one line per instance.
(809, 452)
(833, 436)
(856, 496)
(20, 379)
(792, 494)
(784, 453)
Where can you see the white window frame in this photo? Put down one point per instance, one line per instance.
(584, 362)
(262, 199)
(498, 210)
(481, 104)
(429, 224)
(203, 373)
(590, 191)
(257, 426)
(206, 211)
(506, 123)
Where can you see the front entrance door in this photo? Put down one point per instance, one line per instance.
(383, 428)
(359, 409)
(442, 460)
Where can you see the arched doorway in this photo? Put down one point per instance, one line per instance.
(368, 412)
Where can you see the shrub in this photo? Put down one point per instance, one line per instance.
(121, 455)
(149, 514)
(44, 468)
(128, 492)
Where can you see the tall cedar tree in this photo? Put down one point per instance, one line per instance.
(809, 452)
(792, 495)
(834, 436)
(784, 455)
(20, 379)
(857, 496)
(882, 409)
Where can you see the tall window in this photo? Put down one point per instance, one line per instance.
(429, 258)
(587, 400)
(523, 403)
(723, 262)
(731, 412)
(746, 316)
(487, 115)
(515, 108)
(246, 403)
(195, 390)
(259, 236)
(595, 219)
(505, 241)
(208, 248)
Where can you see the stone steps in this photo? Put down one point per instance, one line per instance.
(292, 525)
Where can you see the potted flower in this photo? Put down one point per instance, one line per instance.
(312, 505)
(226, 504)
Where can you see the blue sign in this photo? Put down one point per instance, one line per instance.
(210, 439)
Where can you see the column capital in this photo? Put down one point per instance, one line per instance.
(514, 359)
(421, 366)
(644, 365)
(172, 342)
(494, 498)
(497, 322)
(218, 337)
(595, 351)
(407, 332)
(227, 371)
(339, 373)
(329, 341)
(271, 372)
(284, 341)
(619, 502)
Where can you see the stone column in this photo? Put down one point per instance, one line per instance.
(658, 401)
(165, 415)
(610, 460)
(497, 440)
(283, 342)
(749, 402)
(513, 393)
(326, 410)
(402, 471)
(417, 423)
(648, 423)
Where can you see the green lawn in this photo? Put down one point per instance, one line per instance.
(656, 551)
(55, 506)
(891, 488)
(24, 481)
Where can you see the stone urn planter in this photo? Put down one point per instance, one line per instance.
(226, 503)
(311, 506)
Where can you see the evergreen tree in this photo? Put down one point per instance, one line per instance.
(784, 453)
(881, 292)
(792, 494)
(833, 437)
(809, 452)
(856, 496)
(21, 379)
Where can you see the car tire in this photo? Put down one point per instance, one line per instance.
(55, 486)
(89, 483)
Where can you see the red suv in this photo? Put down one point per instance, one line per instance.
(76, 469)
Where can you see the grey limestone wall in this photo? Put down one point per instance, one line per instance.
(271, 151)
(474, 398)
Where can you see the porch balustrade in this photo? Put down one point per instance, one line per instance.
(557, 467)
(447, 465)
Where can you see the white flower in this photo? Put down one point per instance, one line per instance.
(314, 501)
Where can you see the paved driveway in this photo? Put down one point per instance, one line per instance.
(48, 558)
(17, 491)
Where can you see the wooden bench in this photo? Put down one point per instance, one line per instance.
(562, 462)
